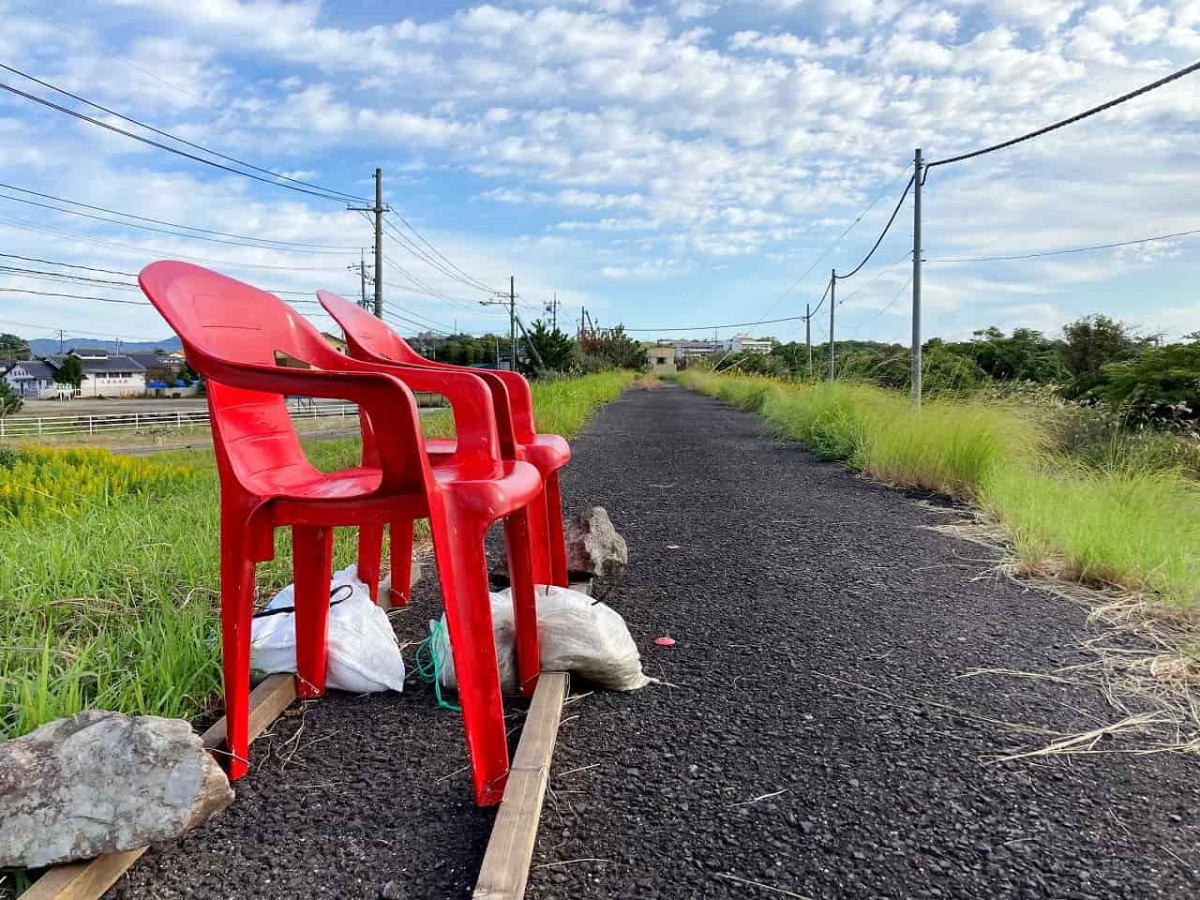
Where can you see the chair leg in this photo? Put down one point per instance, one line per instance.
(312, 567)
(402, 550)
(370, 550)
(462, 569)
(520, 569)
(539, 540)
(237, 602)
(556, 537)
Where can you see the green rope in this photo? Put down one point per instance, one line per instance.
(428, 661)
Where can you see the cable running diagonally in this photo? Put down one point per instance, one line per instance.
(284, 181)
(298, 245)
(1116, 101)
(1148, 240)
(882, 234)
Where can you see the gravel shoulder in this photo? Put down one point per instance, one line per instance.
(813, 735)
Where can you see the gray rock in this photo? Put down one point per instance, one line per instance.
(385, 585)
(100, 782)
(593, 545)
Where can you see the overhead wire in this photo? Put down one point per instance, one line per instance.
(886, 228)
(1110, 246)
(276, 178)
(1116, 101)
(289, 246)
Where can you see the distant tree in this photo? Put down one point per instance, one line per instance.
(1159, 384)
(10, 402)
(13, 347)
(1026, 355)
(555, 347)
(1090, 344)
(614, 348)
(70, 372)
(754, 364)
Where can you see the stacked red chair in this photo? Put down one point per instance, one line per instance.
(371, 340)
(254, 351)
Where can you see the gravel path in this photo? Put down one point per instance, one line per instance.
(814, 737)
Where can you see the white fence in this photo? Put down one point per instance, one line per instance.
(151, 420)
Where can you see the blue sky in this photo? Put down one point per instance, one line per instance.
(665, 164)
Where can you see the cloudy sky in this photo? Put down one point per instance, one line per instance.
(672, 166)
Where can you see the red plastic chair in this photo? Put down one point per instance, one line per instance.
(237, 336)
(371, 340)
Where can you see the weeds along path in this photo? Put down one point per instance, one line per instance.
(814, 738)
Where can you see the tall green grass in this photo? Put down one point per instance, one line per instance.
(108, 598)
(1132, 526)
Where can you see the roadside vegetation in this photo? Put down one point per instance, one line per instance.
(110, 578)
(1077, 495)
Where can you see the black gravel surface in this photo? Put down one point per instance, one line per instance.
(812, 737)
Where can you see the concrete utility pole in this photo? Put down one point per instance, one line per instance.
(552, 308)
(378, 209)
(916, 280)
(808, 336)
(510, 300)
(379, 243)
(832, 307)
(61, 337)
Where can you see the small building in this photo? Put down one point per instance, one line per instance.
(662, 359)
(685, 349)
(32, 379)
(336, 343)
(105, 374)
(743, 343)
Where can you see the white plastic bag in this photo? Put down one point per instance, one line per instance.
(576, 634)
(363, 655)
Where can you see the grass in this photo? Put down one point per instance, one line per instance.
(110, 575)
(1133, 525)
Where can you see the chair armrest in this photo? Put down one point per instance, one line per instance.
(386, 399)
(470, 399)
(521, 399)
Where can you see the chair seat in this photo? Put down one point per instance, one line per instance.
(548, 452)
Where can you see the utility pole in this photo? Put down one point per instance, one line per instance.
(832, 307)
(378, 209)
(916, 280)
(61, 337)
(509, 300)
(552, 308)
(808, 336)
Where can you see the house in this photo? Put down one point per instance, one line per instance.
(32, 379)
(105, 374)
(662, 359)
(743, 343)
(336, 343)
(685, 350)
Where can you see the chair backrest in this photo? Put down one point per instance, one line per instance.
(368, 332)
(222, 320)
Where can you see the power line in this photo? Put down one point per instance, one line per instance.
(1116, 101)
(277, 179)
(289, 246)
(143, 251)
(470, 279)
(73, 296)
(423, 255)
(882, 234)
(1148, 240)
(854, 293)
(723, 327)
(879, 312)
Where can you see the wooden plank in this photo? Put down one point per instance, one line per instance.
(505, 868)
(267, 701)
(89, 880)
(83, 880)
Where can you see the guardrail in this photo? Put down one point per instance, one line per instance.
(157, 421)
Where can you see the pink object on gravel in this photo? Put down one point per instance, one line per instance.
(665, 641)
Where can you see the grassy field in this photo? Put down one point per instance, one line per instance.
(109, 582)
(1130, 519)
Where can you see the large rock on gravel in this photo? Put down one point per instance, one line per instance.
(100, 782)
(593, 545)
